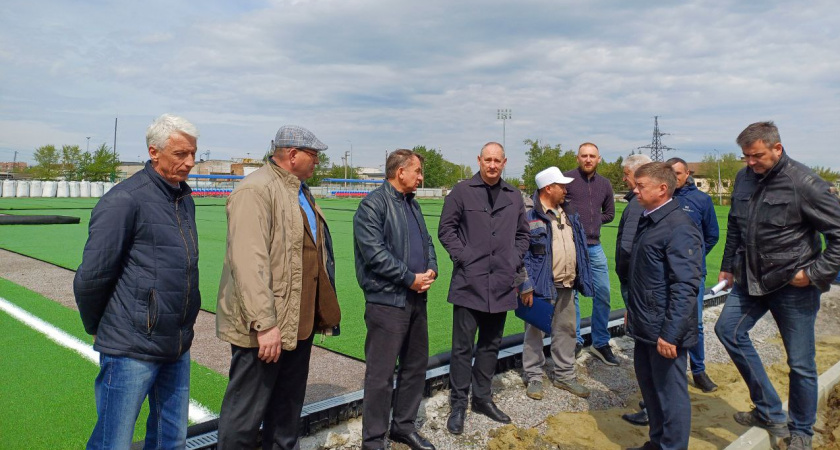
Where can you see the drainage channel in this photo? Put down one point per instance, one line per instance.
(332, 411)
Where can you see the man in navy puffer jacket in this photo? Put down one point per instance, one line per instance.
(699, 206)
(137, 293)
(664, 276)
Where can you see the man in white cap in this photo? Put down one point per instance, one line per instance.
(557, 262)
(277, 290)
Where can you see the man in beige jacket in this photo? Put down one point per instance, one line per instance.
(277, 290)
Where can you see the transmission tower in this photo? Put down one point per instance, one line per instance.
(656, 147)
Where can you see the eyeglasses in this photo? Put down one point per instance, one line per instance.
(311, 153)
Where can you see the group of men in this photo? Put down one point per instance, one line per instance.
(137, 287)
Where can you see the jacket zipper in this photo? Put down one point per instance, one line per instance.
(189, 264)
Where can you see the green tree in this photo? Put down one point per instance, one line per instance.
(542, 157)
(99, 166)
(730, 164)
(827, 174)
(613, 172)
(47, 165)
(437, 171)
(70, 159)
(515, 182)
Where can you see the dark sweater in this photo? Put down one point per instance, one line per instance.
(592, 197)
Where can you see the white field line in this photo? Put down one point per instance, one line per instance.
(198, 412)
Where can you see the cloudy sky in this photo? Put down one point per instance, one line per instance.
(380, 75)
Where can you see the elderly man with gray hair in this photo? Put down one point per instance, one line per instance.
(137, 293)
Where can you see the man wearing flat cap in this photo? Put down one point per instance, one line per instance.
(557, 263)
(277, 290)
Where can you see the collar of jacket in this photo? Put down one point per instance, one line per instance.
(687, 187)
(660, 213)
(780, 164)
(170, 191)
(287, 177)
(477, 181)
(391, 190)
(629, 196)
(540, 211)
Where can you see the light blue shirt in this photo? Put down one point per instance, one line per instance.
(310, 213)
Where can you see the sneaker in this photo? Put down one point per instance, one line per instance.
(578, 350)
(605, 354)
(799, 442)
(572, 386)
(751, 419)
(704, 383)
(535, 390)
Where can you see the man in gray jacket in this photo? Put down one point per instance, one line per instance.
(395, 266)
(137, 292)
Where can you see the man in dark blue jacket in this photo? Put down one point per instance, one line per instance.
(557, 263)
(665, 272)
(701, 209)
(137, 292)
(395, 266)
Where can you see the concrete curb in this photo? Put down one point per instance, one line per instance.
(758, 439)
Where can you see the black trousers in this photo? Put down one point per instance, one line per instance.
(394, 333)
(462, 373)
(267, 393)
(664, 389)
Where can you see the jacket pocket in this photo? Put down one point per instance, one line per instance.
(778, 269)
(776, 209)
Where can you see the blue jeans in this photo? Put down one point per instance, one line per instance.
(601, 301)
(122, 385)
(697, 354)
(795, 311)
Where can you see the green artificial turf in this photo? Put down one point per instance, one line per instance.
(62, 245)
(46, 397)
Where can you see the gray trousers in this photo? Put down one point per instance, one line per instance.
(563, 341)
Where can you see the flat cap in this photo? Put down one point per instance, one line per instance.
(294, 136)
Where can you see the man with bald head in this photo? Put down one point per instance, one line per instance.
(483, 228)
(592, 197)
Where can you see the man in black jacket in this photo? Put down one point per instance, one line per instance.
(664, 277)
(395, 266)
(483, 228)
(137, 292)
(774, 261)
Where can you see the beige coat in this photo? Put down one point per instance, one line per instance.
(261, 280)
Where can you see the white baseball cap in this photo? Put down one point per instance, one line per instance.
(550, 176)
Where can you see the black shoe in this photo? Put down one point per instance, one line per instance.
(646, 446)
(605, 354)
(490, 410)
(413, 440)
(704, 383)
(751, 419)
(578, 350)
(638, 418)
(455, 424)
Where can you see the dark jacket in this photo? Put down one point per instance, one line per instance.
(486, 244)
(137, 286)
(699, 206)
(539, 259)
(593, 200)
(381, 245)
(626, 232)
(774, 228)
(665, 271)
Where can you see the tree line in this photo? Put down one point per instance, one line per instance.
(71, 164)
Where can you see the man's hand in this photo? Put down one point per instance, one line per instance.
(728, 278)
(423, 281)
(801, 279)
(527, 298)
(269, 341)
(665, 349)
